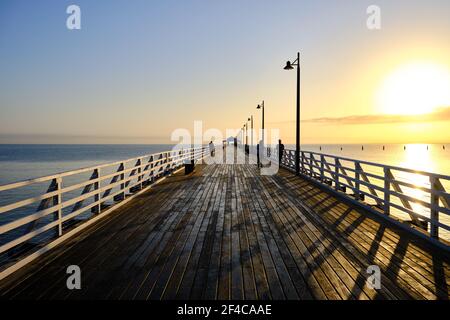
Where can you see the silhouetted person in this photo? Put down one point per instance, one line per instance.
(257, 153)
(280, 150)
(212, 149)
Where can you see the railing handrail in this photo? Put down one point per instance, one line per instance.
(380, 165)
(24, 183)
(387, 192)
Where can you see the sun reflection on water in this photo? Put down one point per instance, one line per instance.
(417, 156)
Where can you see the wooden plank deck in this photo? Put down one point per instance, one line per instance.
(225, 232)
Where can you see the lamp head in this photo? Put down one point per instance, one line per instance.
(288, 66)
(258, 107)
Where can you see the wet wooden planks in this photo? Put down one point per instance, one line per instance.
(225, 232)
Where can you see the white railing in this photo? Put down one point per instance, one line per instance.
(65, 203)
(413, 197)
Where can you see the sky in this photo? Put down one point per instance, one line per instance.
(138, 70)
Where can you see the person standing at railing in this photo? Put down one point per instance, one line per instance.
(280, 151)
(212, 149)
(257, 154)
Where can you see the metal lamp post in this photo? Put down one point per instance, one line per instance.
(261, 106)
(251, 130)
(289, 66)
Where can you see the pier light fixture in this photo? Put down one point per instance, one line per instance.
(289, 66)
(261, 106)
(246, 136)
(251, 129)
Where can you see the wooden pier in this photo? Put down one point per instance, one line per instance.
(227, 232)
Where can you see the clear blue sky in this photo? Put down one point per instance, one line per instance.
(139, 69)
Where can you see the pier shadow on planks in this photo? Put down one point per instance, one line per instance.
(225, 232)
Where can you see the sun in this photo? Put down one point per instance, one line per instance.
(414, 88)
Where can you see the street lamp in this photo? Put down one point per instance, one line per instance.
(251, 129)
(261, 106)
(289, 66)
(246, 136)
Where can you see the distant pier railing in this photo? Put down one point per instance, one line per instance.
(63, 204)
(388, 190)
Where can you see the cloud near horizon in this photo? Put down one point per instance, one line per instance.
(440, 114)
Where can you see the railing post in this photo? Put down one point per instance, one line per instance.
(151, 176)
(434, 211)
(336, 174)
(139, 170)
(387, 191)
(310, 164)
(97, 187)
(57, 201)
(159, 164)
(171, 160)
(357, 180)
(122, 178)
(322, 163)
(302, 161)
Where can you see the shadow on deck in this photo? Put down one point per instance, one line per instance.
(225, 232)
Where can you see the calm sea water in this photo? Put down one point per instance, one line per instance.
(21, 162)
